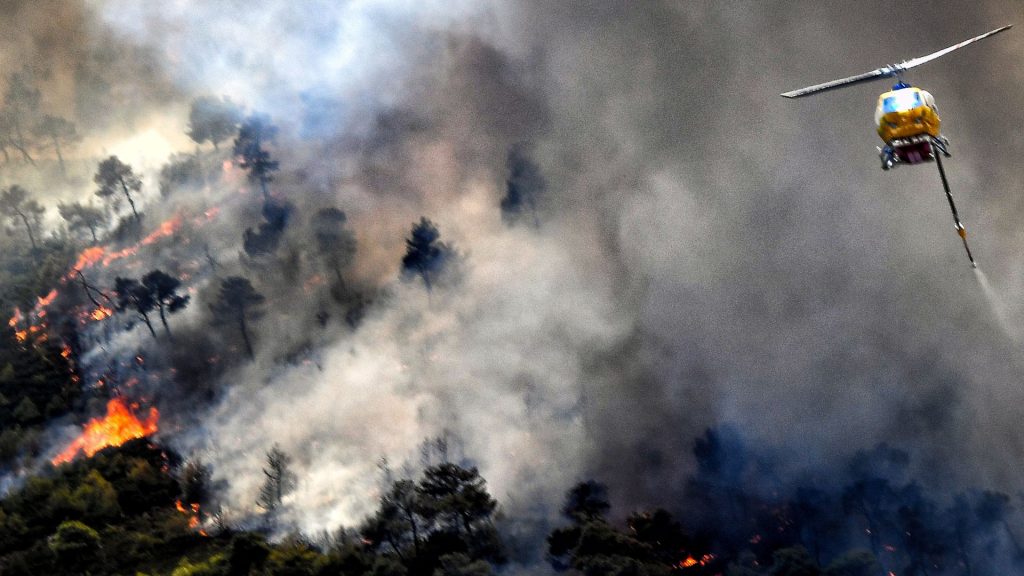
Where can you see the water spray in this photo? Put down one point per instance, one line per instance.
(996, 304)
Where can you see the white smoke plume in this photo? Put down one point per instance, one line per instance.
(709, 252)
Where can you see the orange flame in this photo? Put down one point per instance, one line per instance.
(117, 427)
(690, 561)
(193, 515)
(101, 313)
(46, 300)
(118, 255)
(166, 228)
(16, 319)
(88, 257)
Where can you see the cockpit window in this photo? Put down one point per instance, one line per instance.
(902, 100)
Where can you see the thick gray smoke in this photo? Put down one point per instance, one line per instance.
(708, 252)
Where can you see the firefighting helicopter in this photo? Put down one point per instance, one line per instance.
(907, 120)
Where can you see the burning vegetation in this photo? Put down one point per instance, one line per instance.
(118, 426)
(185, 332)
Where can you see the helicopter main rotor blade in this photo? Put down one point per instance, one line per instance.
(886, 71)
(908, 64)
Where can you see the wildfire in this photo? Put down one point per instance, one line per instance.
(690, 561)
(33, 322)
(193, 515)
(88, 257)
(208, 215)
(117, 427)
(101, 313)
(166, 228)
(45, 301)
(130, 251)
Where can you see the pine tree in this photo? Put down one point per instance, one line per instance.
(114, 176)
(279, 480)
(425, 255)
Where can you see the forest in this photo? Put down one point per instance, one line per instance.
(117, 500)
(463, 331)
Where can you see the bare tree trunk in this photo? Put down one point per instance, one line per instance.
(129, 197)
(28, 227)
(245, 335)
(163, 320)
(145, 318)
(20, 144)
(60, 157)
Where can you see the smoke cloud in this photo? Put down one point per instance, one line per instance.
(706, 253)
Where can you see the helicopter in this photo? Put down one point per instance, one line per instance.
(907, 120)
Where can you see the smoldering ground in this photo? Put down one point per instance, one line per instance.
(708, 252)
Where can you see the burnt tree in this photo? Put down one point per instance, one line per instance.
(335, 244)
(19, 209)
(213, 120)
(253, 134)
(131, 295)
(114, 176)
(425, 255)
(278, 480)
(524, 189)
(21, 105)
(57, 133)
(238, 303)
(163, 290)
(82, 217)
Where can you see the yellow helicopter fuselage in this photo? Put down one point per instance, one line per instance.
(905, 113)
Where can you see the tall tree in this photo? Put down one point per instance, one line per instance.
(79, 217)
(114, 176)
(425, 255)
(132, 295)
(20, 209)
(586, 501)
(278, 481)
(335, 243)
(57, 132)
(21, 102)
(397, 522)
(182, 170)
(238, 303)
(455, 500)
(163, 290)
(213, 120)
(524, 188)
(253, 134)
(267, 236)
(194, 483)
(447, 512)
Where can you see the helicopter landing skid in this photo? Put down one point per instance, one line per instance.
(913, 150)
